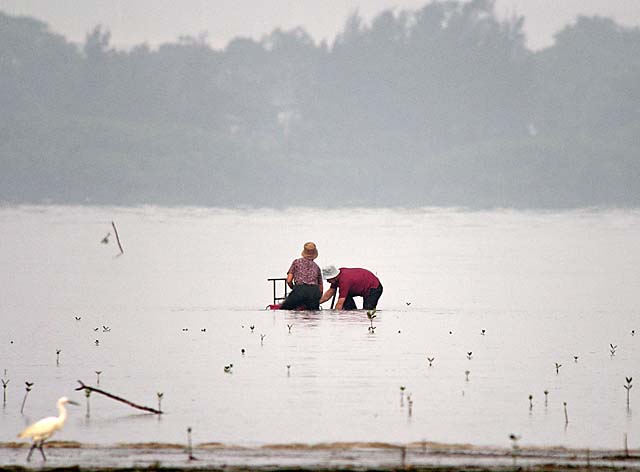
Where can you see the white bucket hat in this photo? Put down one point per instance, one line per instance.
(329, 272)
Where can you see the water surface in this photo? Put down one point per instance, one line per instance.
(179, 304)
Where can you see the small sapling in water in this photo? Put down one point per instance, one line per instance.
(204, 330)
(288, 370)
(575, 358)
(189, 446)
(633, 332)
(469, 354)
(371, 315)
(228, 368)
(242, 351)
(466, 375)
(482, 332)
(612, 349)
(160, 395)
(5, 383)
(96, 329)
(97, 342)
(262, 336)
(105, 329)
(98, 372)
(409, 403)
(628, 387)
(289, 326)
(430, 360)
(514, 446)
(530, 402)
(402, 389)
(28, 387)
(558, 368)
(78, 318)
(252, 327)
(58, 351)
(546, 395)
(87, 394)
(566, 415)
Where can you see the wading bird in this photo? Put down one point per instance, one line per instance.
(42, 430)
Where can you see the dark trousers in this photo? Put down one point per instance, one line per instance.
(303, 297)
(370, 300)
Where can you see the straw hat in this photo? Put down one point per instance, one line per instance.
(329, 272)
(310, 251)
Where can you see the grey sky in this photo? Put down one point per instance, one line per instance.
(133, 22)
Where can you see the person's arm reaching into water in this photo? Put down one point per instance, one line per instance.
(327, 295)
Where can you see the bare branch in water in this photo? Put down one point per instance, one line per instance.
(114, 397)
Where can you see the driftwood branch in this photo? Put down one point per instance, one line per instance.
(117, 237)
(114, 397)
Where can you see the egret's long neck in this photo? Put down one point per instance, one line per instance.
(62, 412)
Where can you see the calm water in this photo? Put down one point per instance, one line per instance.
(545, 287)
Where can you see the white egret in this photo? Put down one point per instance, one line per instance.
(43, 429)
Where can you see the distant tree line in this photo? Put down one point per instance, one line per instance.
(443, 105)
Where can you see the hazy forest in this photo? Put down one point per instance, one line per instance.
(441, 106)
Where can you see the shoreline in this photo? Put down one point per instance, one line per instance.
(322, 456)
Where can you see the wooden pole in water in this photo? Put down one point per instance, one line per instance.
(117, 237)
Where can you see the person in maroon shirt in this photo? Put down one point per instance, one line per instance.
(352, 283)
(305, 279)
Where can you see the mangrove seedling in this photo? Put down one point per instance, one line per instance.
(289, 326)
(97, 342)
(227, 368)
(5, 383)
(575, 358)
(633, 332)
(371, 315)
(466, 375)
(87, 394)
(469, 355)
(430, 360)
(204, 330)
(482, 332)
(288, 370)
(612, 349)
(558, 368)
(252, 328)
(530, 402)
(160, 395)
(262, 336)
(28, 387)
(242, 351)
(409, 403)
(78, 318)
(514, 446)
(189, 446)
(402, 389)
(105, 329)
(372, 329)
(566, 415)
(98, 372)
(96, 328)
(58, 351)
(546, 394)
(628, 387)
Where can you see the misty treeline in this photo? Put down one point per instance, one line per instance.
(443, 105)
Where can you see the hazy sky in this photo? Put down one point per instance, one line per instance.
(133, 22)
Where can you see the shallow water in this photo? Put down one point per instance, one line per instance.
(545, 287)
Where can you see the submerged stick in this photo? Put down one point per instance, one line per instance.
(114, 397)
(117, 237)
